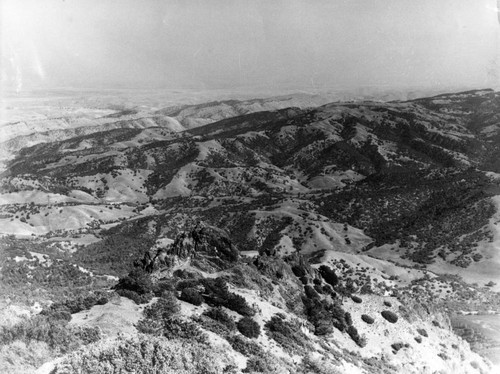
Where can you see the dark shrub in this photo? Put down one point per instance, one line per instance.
(366, 318)
(299, 271)
(218, 314)
(310, 292)
(318, 289)
(187, 283)
(78, 304)
(353, 333)
(135, 297)
(217, 294)
(245, 346)
(286, 334)
(436, 323)
(397, 346)
(348, 318)
(58, 314)
(418, 339)
(248, 327)
(304, 280)
(387, 303)
(259, 364)
(390, 316)
(320, 313)
(164, 308)
(174, 328)
(356, 299)
(164, 286)
(239, 305)
(137, 280)
(327, 289)
(328, 275)
(423, 332)
(192, 296)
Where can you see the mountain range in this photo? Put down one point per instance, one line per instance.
(286, 234)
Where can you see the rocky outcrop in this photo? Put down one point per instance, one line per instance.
(206, 247)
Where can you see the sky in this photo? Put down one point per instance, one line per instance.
(219, 44)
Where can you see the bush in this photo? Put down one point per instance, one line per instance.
(78, 304)
(356, 299)
(137, 280)
(187, 283)
(397, 346)
(348, 318)
(328, 275)
(248, 327)
(390, 316)
(217, 294)
(418, 339)
(310, 292)
(387, 303)
(56, 333)
(174, 328)
(135, 297)
(436, 323)
(218, 314)
(366, 318)
(192, 296)
(164, 308)
(353, 333)
(244, 346)
(286, 334)
(260, 364)
(423, 332)
(239, 305)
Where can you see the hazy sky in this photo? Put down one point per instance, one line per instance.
(246, 43)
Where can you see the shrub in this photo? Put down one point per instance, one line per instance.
(356, 299)
(192, 296)
(390, 316)
(286, 334)
(418, 339)
(310, 292)
(328, 275)
(174, 328)
(165, 307)
(187, 283)
(348, 318)
(366, 318)
(260, 364)
(239, 305)
(218, 314)
(387, 303)
(137, 280)
(422, 332)
(244, 346)
(135, 297)
(436, 323)
(353, 333)
(397, 346)
(78, 304)
(320, 313)
(146, 354)
(56, 333)
(217, 294)
(248, 327)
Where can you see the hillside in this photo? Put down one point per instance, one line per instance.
(269, 233)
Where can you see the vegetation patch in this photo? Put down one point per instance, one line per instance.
(389, 316)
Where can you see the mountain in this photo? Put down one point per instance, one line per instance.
(328, 237)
